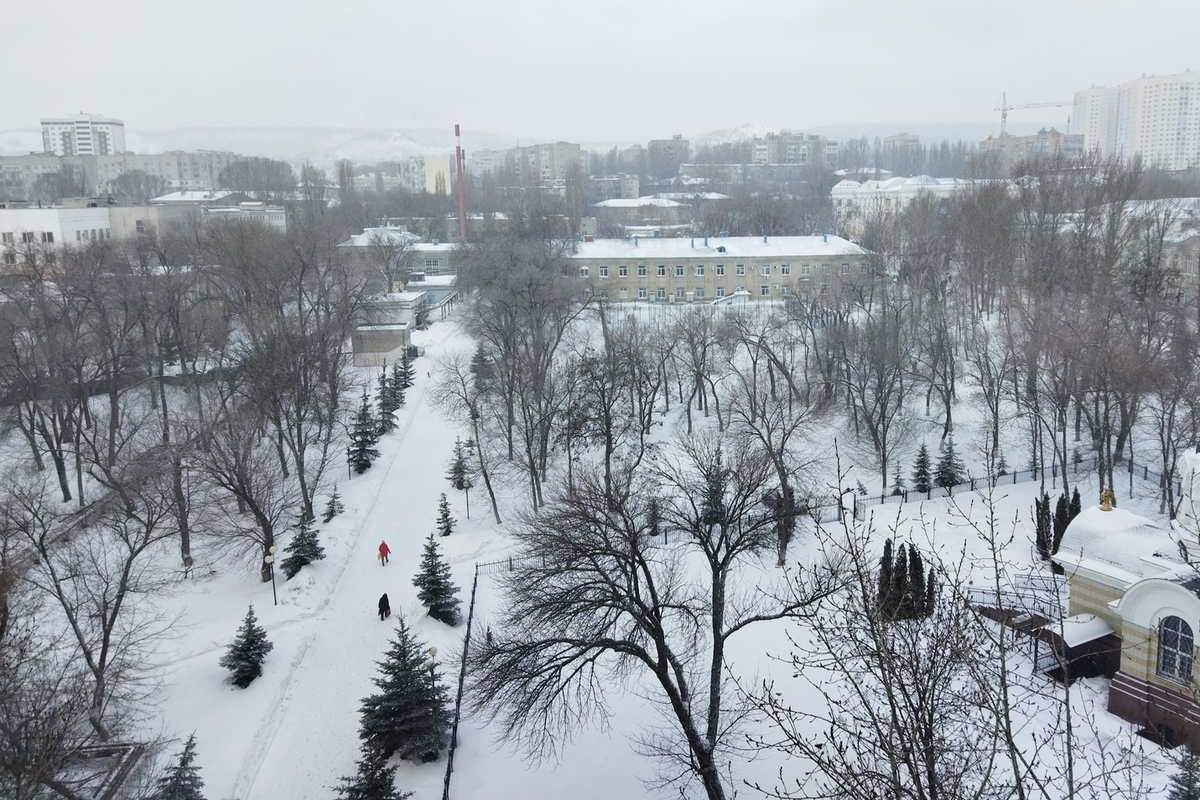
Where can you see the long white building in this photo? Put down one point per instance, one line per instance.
(83, 135)
(1157, 116)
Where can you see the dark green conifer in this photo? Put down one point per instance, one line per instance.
(246, 655)
(436, 591)
(304, 549)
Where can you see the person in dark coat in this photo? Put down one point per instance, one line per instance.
(385, 608)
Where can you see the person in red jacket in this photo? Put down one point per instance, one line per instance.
(384, 551)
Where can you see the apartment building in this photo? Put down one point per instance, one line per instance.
(707, 269)
(545, 163)
(1043, 144)
(1157, 116)
(429, 174)
(97, 174)
(83, 135)
(665, 156)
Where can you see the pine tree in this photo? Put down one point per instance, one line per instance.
(1185, 781)
(920, 475)
(408, 371)
(930, 592)
(482, 369)
(182, 781)
(333, 506)
(363, 437)
(457, 471)
(913, 605)
(445, 522)
(245, 656)
(303, 550)
(436, 591)
(1075, 506)
(387, 419)
(373, 780)
(897, 481)
(1001, 466)
(1043, 529)
(950, 470)
(409, 714)
(1062, 518)
(397, 388)
(899, 592)
(884, 602)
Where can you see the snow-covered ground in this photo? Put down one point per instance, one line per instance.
(293, 732)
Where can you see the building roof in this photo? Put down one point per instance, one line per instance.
(384, 235)
(735, 247)
(1118, 538)
(192, 196)
(638, 202)
(1081, 629)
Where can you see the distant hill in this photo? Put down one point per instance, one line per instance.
(928, 131)
(322, 146)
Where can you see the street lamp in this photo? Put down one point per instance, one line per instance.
(466, 484)
(431, 663)
(269, 560)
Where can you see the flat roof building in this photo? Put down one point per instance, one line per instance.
(83, 135)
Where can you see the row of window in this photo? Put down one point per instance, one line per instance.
(27, 237)
(718, 270)
(699, 293)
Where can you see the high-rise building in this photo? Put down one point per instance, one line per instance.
(83, 135)
(1157, 116)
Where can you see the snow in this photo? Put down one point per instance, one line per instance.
(1083, 628)
(735, 247)
(293, 732)
(1117, 537)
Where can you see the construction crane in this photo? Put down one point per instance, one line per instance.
(1005, 108)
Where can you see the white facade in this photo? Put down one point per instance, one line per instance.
(30, 229)
(1157, 116)
(852, 200)
(83, 135)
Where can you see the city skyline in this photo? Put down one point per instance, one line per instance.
(627, 72)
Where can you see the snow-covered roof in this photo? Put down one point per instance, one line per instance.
(1082, 628)
(435, 282)
(192, 196)
(638, 202)
(681, 196)
(434, 247)
(847, 184)
(1117, 537)
(385, 235)
(735, 247)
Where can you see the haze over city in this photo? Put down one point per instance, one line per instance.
(620, 71)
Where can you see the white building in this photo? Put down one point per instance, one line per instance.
(853, 201)
(24, 230)
(83, 135)
(1157, 116)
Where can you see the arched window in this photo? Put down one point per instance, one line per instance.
(1175, 645)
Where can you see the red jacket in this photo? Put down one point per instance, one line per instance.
(384, 550)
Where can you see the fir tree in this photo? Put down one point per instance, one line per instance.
(905, 590)
(1185, 781)
(482, 369)
(245, 656)
(445, 522)
(435, 589)
(897, 481)
(182, 781)
(387, 419)
(921, 476)
(884, 601)
(458, 471)
(950, 470)
(899, 593)
(374, 780)
(408, 371)
(1001, 466)
(930, 592)
(363, 437)
(913, 604)
(397, 388)
(1043, 527)
(333, 506)
(1062, 518)
(1075, 506)
(303, 550)
(409, 714)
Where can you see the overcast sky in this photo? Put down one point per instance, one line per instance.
(562, 69)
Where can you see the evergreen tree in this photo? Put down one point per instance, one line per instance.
(409, 714)
(1043, 528)
(386, 400)
(913, 604)
(1075, 506)
(1001, 466)
(397, 388)
(1062, 518)
(654, 517)
(245, 656)
(458, 471)
(897, 481)
(921, 476)
(884, 601)
(374, 780)
(363, 437)
(435, 589)
(303, 550)
(445, 522)
(950, 469)
(930, 592)
(408, 371)
(1185, 781)
(182, 781)
(482, 369)
(905, 590)
(333, 506)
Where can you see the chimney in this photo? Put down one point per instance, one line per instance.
(764, 238)
(825, 238)
(706, 238)
(635, 242)
(693, 241)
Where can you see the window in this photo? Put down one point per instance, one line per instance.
(584, 272)
(641, 270)
(27, 237)
(720, 270)
(679, 270)
(622, 272)
(604, 272)
(138, 225)
(845, 269)
(785, 269)
(764, 290)
(642, 292)
(720, 291)
(825, 270)
(804, 270)
(662, 293)
(862, 269)
(679, 294)
(10, 257)
(432, 263)
(699, 292)
(765, 270)
(6, 237)
(662, 270)
(740, 269)
(1175, 646)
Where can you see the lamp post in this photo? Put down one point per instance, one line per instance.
(431, 663)
(467, 488)
(269, 560)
